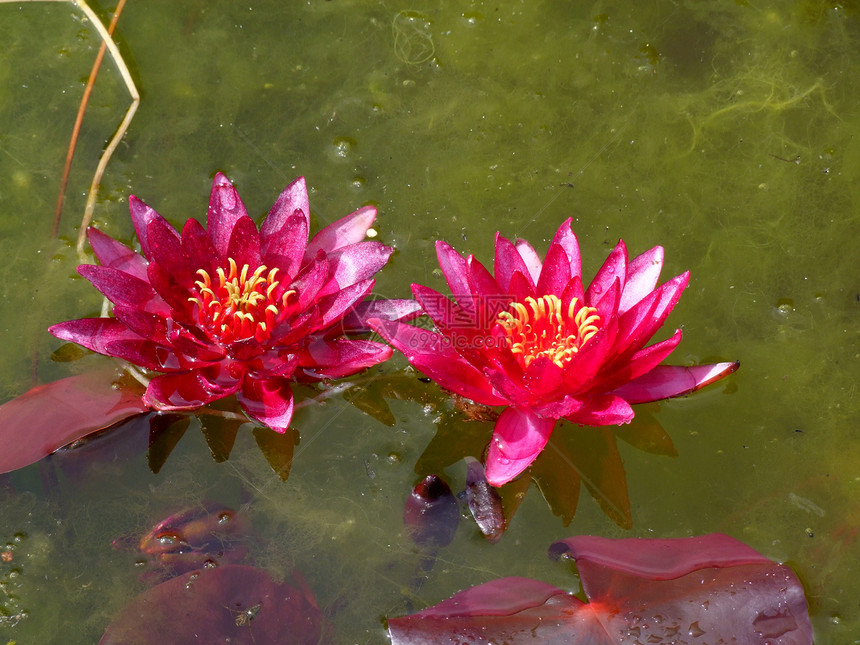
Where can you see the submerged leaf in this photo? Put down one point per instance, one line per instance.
(201, 536)
(277, 449)
(431, 513)
(50, 416)
(228, 604)
(165, 431)
(484, 502)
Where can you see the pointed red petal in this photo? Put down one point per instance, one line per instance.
(642, 275)
(225, 208)
(268, 400)
(189, 390)
(518, 438)
(614, 268)
(345, 231)
(358, 262)
(93, 333)
(288, 222)
(531, 259)
(341, 357)
(667, 381)
(141, 216)
(507, 262)
(566, 239)
(115, 255)
(432, 354)
(244, 244)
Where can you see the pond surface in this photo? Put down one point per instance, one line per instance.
(724, 131)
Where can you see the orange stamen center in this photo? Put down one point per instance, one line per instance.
(238, 306)
(543, 327)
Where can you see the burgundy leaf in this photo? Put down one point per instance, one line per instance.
(35, 424)
(685, 591)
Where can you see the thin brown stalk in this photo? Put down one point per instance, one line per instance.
(110, 45)
(88, 90)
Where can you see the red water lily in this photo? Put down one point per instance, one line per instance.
(232, 309)
(533, 339)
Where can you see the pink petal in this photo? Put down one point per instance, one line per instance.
(432, 354)
(175, 295)
(198, 248)
(566, 239)
(141, 216)
(147, 354)
(123, 288)
(189, 390)
(642, 361)
(572, 290)
(164, 331)
(638, 324)
(333, 307)
(93, 333)
(521, 286)
(269, 401)
(309, 282)
(507, 262)
(446, 314)
(642, 275)
(244, 244)
(358, 262)
(286, 248)
(530, 258)
(586, 363)
(115, 255)
(614, 268)
(603, 410)
(667, 381)
(487, 298)
(562, 407)
(345, 231)
(341, 357)
(518, 438)
(165, 248)
(543, 376)
(454, 269)
(285, 229)
(555, 274)
(225, 208)
(396, 309)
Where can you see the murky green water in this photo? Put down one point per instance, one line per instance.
(725, 131)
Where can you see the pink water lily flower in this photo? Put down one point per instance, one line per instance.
(533, 339)
(231, 309)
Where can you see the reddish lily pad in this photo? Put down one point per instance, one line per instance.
(708, 589)
(228, 604)
(50, 416)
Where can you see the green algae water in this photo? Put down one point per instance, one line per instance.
(724, 131)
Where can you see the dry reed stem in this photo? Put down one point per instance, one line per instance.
(107, 42)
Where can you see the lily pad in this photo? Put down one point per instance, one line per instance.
(50, 416)
(686, 591)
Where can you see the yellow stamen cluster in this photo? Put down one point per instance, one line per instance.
(237, 305)
(542, 327)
